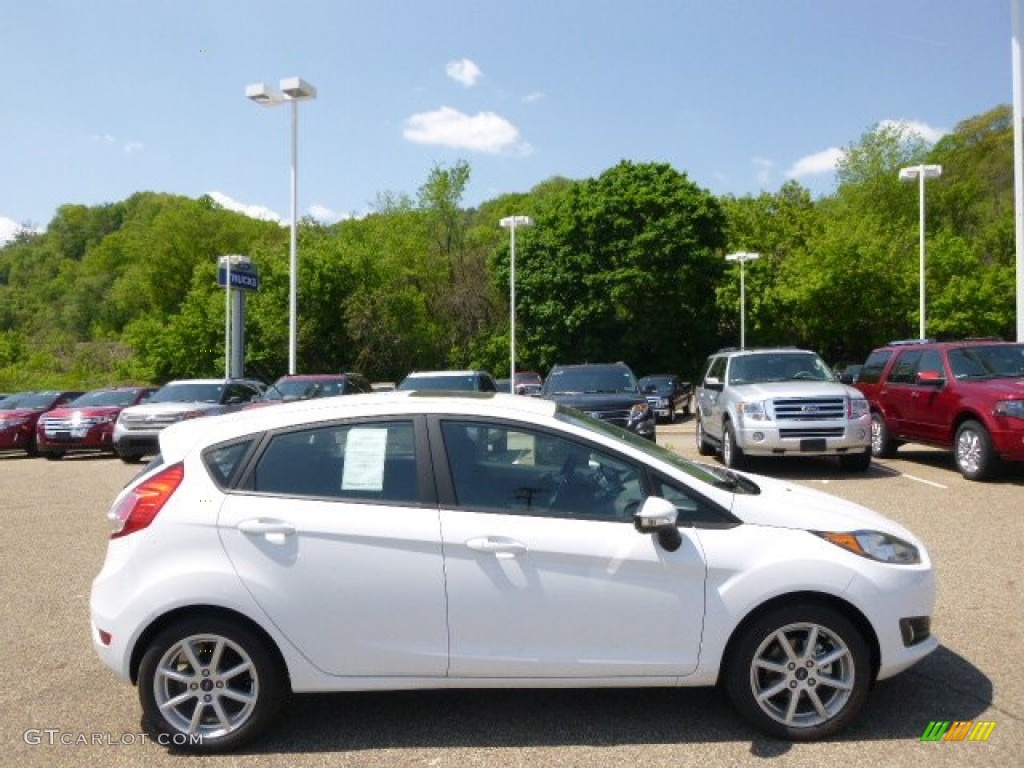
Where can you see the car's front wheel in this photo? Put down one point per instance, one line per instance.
(975, 457)
(209, 685)
(732, 454)
(800, 672)
(704, 448)
(855, 462)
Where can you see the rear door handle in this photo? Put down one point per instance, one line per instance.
(502, 548)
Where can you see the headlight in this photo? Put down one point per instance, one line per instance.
(752, 411)
(1013, 408)
(874, 545)
(858, 407)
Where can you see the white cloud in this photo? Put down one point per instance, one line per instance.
(132, 146)
(483, 132)
(464, 71)
(817, 164)
(252, 211)
(534, 97)
(925, 131)
(128, 147)
(8, 229)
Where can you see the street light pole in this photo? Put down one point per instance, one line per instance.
(921, 172)
(510, 223)
(743, 257)
(294, 90)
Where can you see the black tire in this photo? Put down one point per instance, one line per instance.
(229, 645)
(32, 447)
(759, 663)
(855, 462)
(704, 448)
(882, 444)
(54, 455)
(732, 455)
(130, 458)
(973, 452)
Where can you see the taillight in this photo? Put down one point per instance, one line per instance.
(138, 508)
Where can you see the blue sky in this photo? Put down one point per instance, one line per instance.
(110, 97)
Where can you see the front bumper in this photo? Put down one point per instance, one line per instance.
(769, 438)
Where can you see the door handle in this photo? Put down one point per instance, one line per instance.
(263, 526)
(501, 548)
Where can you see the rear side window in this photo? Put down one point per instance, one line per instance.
(224, 461)
(871, 373)
(371, 461)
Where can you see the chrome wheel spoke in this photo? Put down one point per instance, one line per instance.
(794, 702)
(818, 706)
(772, 692)
(237, 670)
(176, 701)
(240, 696)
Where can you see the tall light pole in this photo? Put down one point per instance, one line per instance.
(294, 90)
(743, 257)
(1018, 162)
(921, 172)
(510, 223)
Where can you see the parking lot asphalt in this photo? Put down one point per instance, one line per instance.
(59, 706)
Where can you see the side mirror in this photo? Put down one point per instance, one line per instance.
(930, 379)
(713, 382)
(658, 516)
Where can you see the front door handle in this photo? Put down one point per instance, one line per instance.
(263, 526)
(499, 546)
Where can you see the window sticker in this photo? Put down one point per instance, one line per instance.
(365, 449)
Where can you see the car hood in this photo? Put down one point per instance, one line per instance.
(798, 388)
(18, 413)
(1008, 387)
(87, 411)
(171, 408)
(781, 504)
(598, 401)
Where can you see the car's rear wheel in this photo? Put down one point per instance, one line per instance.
(54, 455)
(975, 457)
(732, 454)
(855, 462)
(209, 685)
(800, 672)
(882, 444)
(704, 448)
(130, 458)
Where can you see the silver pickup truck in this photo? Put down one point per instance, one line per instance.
(779, 402)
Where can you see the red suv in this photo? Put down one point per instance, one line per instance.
(967, 396)
(19, 414)
(86, 423)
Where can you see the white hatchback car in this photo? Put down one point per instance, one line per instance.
(421, 540)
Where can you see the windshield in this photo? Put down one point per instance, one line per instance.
(720, 477)
(578, 381)
(113, 397)
(30, 400)
(778, 366)
(995, 362)
(188, 393)
(303, 389)
(465, 382)
(661, 382)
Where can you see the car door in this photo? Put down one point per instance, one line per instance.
(335, 533)
(547, 577)
(899, 392)
(709, 393)
(926, 412)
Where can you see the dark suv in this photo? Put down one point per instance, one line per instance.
(967, 396)
(606, 391)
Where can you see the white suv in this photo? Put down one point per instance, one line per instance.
(779, 402)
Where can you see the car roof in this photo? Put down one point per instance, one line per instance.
(182, 436)
(423, 374)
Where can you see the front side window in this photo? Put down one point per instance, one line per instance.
(373, 462)
(904, 367)
(505, 469)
